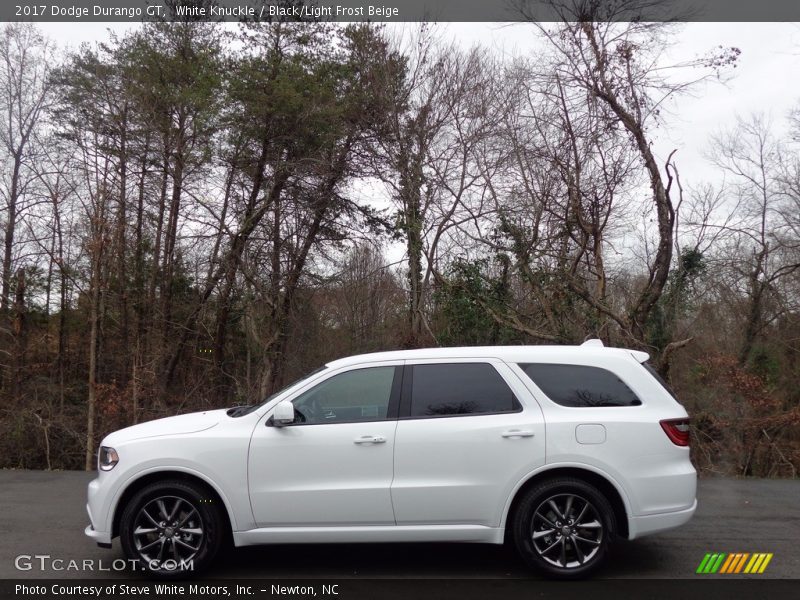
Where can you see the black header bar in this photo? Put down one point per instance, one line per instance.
(400, 10)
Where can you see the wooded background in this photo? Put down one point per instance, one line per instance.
(195, 214)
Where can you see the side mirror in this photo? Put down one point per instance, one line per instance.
(283, 413)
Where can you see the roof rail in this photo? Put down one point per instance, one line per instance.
(594, 342)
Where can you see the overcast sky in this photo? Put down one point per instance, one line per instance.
(767, 78)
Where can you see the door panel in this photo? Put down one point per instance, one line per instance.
(462, 469)
(317, 475)
(328, 473)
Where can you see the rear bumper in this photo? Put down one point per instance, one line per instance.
(646, 525)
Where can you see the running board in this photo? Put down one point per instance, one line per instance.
(369, 534)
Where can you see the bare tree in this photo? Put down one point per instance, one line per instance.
(563, 179)
(362, 301)
(25, 61)
(436, 123)
(766, 248)
(620, 66)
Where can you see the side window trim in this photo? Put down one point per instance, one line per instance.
(408, 381)
(405, 392)
(393, 410)
(394, 397)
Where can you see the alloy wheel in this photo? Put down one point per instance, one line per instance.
(168, 528)
(567, 531)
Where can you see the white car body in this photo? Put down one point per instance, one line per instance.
(452, 478)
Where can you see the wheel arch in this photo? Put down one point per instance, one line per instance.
(144, 479)
(607, 486)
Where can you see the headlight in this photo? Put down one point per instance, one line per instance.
(107, 458)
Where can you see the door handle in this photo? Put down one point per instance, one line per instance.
(370, 439)
(517, 433)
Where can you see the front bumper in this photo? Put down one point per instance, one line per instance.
(645, 525)
(103, 538)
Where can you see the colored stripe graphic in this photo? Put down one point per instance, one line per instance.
(737, 558)
(730, 564)
(754, 563)
(735, 562)
(703, 563)
(717, 563)
(710, 563)
(764, 564)
(727, 564)
(741, 562)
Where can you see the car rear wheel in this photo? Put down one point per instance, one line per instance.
(563, 527)
(171, 529)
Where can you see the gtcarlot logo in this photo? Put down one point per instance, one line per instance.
(734, 563)
(46, 562)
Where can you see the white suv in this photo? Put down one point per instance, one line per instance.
(559, 449)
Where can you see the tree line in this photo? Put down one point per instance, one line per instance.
(196, 214)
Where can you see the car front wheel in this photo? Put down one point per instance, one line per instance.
(171, 529)
(563, 527)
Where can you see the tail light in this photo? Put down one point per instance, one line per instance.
(677, 431)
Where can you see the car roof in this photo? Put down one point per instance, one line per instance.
(549, 353)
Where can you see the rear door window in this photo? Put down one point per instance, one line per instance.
(458, 389)
(580, 386)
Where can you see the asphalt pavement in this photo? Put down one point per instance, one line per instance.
(43, 514)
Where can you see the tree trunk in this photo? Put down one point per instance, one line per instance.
(20, 334)
(276, 353)
(659, 270)
(62, 337)
(62, 297)
(753, 324)
(10, 231)
(154, 276)
(223, 311)
(234, 255)
(94, 336)
(122, 267)
(411, 173)
(170, 239)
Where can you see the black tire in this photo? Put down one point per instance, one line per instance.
(569, 540)
(174, 549)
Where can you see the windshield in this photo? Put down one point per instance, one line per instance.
(238, 411)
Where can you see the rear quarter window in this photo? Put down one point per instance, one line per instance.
(654, 374)
(580, 386)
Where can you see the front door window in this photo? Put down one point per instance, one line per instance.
(358, 395)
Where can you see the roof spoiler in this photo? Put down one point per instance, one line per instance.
(594, 342)
(637, 354)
